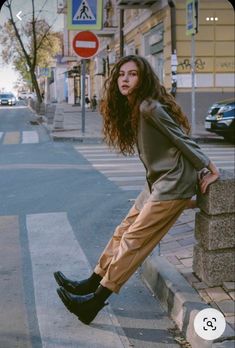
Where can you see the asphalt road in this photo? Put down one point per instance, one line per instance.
(58, 212)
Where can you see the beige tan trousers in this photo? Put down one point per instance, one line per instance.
(134, 239)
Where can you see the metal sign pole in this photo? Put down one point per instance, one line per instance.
(83, 94)
(193, 83)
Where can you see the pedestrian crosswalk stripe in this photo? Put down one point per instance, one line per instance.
(53, 247)
(14, 329)
(11, 138)
(128, 172)
(30, 137)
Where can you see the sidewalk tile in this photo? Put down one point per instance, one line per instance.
(232, 295)
(200, 286)
(187, 241)
(173, 260)
(191, 278)
(187, 262)
(183, 253)
(169, 246)
(229, 286)
(186, 270)
(217, 294)
(227, 307)
(231, 321)
(203, 294)
(180, 229)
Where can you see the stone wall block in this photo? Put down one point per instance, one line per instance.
(214, 267)
(220, 196)
(215, 232)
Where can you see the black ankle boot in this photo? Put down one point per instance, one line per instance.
(84, 307)
(82, 287)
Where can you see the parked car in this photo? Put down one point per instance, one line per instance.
(7, 99)
(221, 119)
(26, 95)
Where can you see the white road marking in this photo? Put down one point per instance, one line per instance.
(53, 247)
(30, 137)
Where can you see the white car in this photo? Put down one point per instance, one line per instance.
(7, 99)
(26, 95)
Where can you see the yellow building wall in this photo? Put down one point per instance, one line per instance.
(214, 42)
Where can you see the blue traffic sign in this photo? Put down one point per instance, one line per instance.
(85, 14)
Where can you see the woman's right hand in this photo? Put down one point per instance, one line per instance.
(208, 177)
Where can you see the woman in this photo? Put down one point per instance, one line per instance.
(139, 113)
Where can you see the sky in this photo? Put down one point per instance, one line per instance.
(49, 11)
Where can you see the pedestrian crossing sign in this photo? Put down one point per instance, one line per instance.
(85, 14)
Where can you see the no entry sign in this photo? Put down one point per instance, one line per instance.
(85, 44)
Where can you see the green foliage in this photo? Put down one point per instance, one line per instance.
(28, 46)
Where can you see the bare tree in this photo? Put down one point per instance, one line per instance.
(30, 51)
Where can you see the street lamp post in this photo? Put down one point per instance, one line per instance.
(192, 29)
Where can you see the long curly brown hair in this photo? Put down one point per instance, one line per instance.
(121, 115)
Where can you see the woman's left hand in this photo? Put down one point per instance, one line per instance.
(209, 177)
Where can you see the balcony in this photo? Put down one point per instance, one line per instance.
(124, 4)
(106, 32)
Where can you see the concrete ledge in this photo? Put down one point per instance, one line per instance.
(210, 204)
(214, 266)
(215, 232)
(179, 299)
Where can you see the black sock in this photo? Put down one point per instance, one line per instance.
(102, 293)
(93, 282)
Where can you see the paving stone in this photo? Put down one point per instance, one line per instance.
(203, 294)
(187, 241)
(184, 254)
(191, 278)
(229, 286)
(180, 229)
(178, 236)
(217, 294)
(232, 295)
(227, 307)
(187, 262)
(174, 260)
(200, 286)
(186, 270)
(231, 321)
(169, 246)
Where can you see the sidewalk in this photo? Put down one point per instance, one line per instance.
(67, 125)
(168, 271)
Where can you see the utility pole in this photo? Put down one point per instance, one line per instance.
(192, 29)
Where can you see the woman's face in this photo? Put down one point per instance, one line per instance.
(128, 78)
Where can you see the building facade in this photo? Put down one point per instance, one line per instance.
(156, 29)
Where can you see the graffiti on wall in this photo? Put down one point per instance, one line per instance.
(226, 65)
(186, 64)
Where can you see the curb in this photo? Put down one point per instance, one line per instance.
(85, 138)
(81, 139)
(180, 300)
